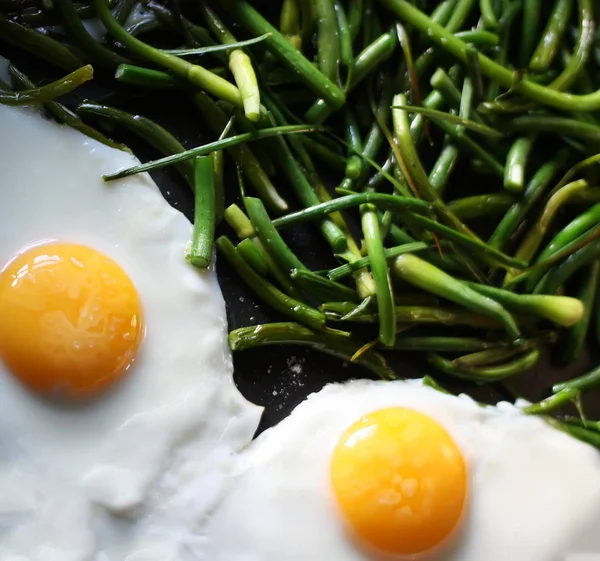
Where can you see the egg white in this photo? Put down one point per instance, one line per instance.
(129, 475)
(534, 491)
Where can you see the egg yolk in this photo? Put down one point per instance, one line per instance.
(71, 320)
(400, 481)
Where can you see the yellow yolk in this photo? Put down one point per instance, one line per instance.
(71, 320)
(400, 481)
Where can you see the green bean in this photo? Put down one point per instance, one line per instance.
(487, 14)
(578, 332)
(305, 193)
(43, 94)
(155, 135)
(64, 115)
(147, 77)
(588, 436)
(532, 241)
(533, 192)
(354, 164)
(268, 235)
(195, 74)
(493, 356)
(76, 30)
(551, 403)
(418, 272)
(415, 314)
(40, 45)
(308, 19)
(486, 253)
(322, 288)
(266, 291)
(562, 310)
(246, 16)
(289, 22)
(281, 275)
(443, 11)
(434, 100)
(550, 41)
(585, 41)
(355, 14)
(516, 162)
(487, 373)
(459, 15)
(557, 276)
(328, 44)
(568, 234)
(345, 37)
(478, 206)
(249, 251)
(442, 344)
(413, 169)
(379, 270)
(494, 71)
(381, 200)
(588, 381)
(239, 222)
(442, 170)
(347, 269)
(239, 65)
(243, 155)
(365, 62)
(203, 235)
(572, 128)
(532, 12)
(596, 312)
(331, 342)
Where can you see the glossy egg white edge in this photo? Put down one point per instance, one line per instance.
(534, 491)
(129, 475)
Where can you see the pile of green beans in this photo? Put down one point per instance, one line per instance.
(446, 153)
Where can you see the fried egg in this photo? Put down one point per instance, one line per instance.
(373, 470)
(118, 412)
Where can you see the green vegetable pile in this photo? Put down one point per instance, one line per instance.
(447, 152)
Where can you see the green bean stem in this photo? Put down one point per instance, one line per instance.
(418, 272)
(550, 41)
(487, 373)
(246, 16)
(203, 235)
(50, 91)
(579, 331)
(266, 291)
(331, 342)
(479, 206)
(38, 44)
(516, 161)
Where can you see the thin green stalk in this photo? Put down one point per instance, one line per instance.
(443, 344)
(441, 172)
(64, 115)
(562, 310)
(536, 187)
(203, 234)
(298, 311)
(242, 154)
(208, 149)
(328, 43)
(240, 64)
(588, 381)
(289, 23)
(147, 77)
(46, 93)
(246, 16)
(249, 251)
(487, 373)
(344, 270)
(155, 135)
(193, 73)
(516, 162)
(552, 37)
(339, 344)
(481, 206)
(379, 269)
(578, 333)
(38, 44)
(425, 276)
(321, 288)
